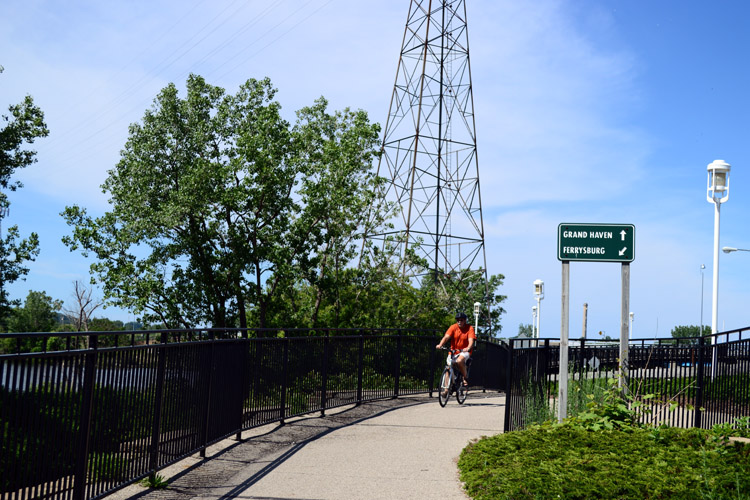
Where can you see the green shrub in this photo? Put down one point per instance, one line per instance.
(570, 462)
(605, 451)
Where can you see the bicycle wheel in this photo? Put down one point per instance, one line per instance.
(445, 386)
(461, 392)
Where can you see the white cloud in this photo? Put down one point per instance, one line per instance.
(550, 103)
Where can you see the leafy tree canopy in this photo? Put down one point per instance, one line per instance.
(526, 330)
(690, 331)
(220, 205)
(23, 124)
(224, 214)
(38, 314)
(378, 295)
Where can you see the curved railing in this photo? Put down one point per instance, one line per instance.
(82, 423)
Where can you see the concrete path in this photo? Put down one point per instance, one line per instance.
(393, 449)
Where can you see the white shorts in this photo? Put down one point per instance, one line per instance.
(464, 355)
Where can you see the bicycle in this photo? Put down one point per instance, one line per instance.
(452, 381)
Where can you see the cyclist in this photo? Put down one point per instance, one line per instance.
(462, 337)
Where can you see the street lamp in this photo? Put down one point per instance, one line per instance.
(732, 249)
(632, 316)
(703, 266)
(477, 305)
(717, 192)
(539, 294)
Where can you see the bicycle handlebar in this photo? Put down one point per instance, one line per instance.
(452, 351)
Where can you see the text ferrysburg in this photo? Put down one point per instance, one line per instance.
(584, 250)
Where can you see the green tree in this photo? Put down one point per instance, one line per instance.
(23, 124)
(38, 314)
(376, 294)
(14, 253)
(106, 325)
(337, 189)
(363, 298)
(220, 205)
(526, 330)
(692, 332)
(462, 290)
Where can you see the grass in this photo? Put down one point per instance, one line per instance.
(604, 451)
(155, 481)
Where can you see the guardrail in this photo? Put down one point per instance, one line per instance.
(83, 423)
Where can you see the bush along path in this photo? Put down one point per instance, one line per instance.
(605, 453)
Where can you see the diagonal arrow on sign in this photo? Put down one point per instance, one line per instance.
(622, 252)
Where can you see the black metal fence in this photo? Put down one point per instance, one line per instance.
(82, 423)
(692, 382)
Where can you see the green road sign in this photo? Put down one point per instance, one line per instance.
(596, 242)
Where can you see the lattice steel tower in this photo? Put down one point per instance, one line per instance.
(430, 148)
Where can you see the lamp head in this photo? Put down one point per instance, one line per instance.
(718, 181)
(539, 289)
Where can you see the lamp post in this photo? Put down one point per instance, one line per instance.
(732, 249)
(717, 192)
(539, 294)
(533, 322)
(477, 305)
(703, 266)
(630, 329)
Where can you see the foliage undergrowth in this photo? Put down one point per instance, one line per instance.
(155, 481)
(605, 451)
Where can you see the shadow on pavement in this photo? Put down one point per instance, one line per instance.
(273, 448)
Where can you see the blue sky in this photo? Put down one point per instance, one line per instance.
(587, 111)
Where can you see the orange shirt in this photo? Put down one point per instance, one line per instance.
(460, 337)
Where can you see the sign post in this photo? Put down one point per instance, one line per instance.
(624, 324)
(562, 395)
(593, 243)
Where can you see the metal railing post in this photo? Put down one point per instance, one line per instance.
(398, 365)
(698, 414)
(245, 382)
(87, 404)
(360, 367)
(431, 377)
(486, 362)
(509, 389)
(207, 413)
(324, 383)
(153, 463)
(284, 380)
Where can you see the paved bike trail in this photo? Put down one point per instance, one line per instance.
(392, 449)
